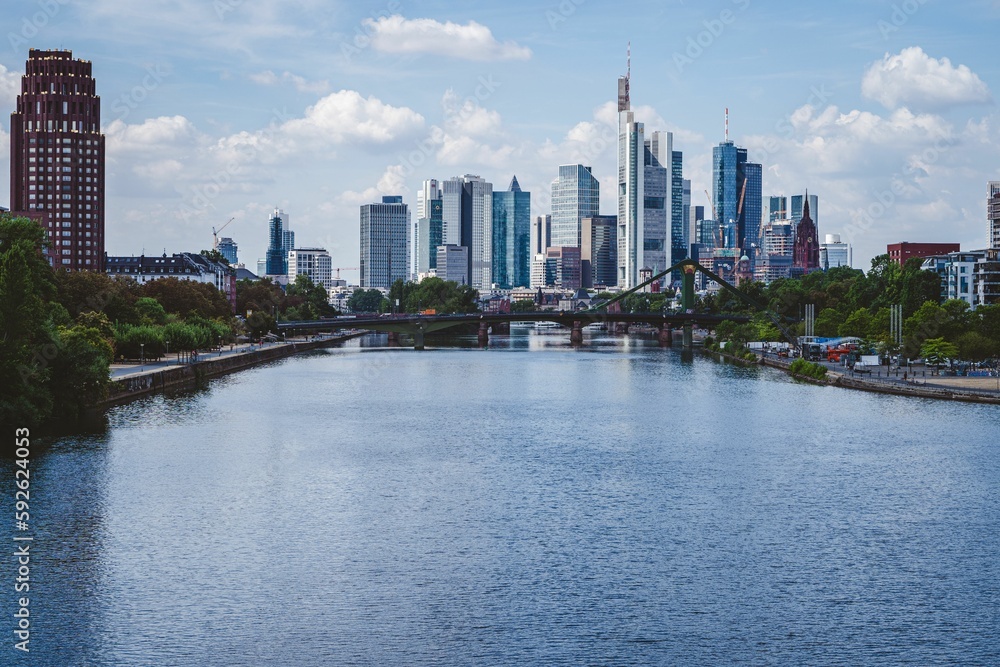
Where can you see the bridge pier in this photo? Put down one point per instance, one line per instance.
(621, 327)
(418, 337)
(666, 336)
(484, 334)
(393, 338)
(576, 335)
(688, 336)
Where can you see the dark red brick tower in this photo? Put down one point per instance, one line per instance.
(806, 253)
(57, 158)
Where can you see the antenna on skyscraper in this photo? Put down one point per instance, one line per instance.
(727, 125)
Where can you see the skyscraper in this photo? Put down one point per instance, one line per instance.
(511, 237)
(228, 248)
(425, 239)
(281, 239)
(650, 196)
(993, 212)
(736, 190)
(598, 250)
(428, 193)
(541, 234)
(467, 220)
(576, 195)
(383, 242)
(57, 157)
(795, 213)
(631, 171)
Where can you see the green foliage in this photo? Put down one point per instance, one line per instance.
(366, 301)
(523, 306)
(307, 301)
(80, 370)
(937, 351)
(185, 297)
(215, 256)
(434, 293)
(150, 311)
(808, 369)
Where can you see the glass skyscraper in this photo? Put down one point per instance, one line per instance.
(576, 195)
(511, 237)
(737, 195)
(280, 240)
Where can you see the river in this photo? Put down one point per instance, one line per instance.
(529, 504)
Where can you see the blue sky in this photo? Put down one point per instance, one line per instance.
(227, 108)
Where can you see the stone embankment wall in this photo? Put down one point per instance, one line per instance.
(129, 388)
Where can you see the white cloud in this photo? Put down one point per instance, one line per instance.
(472, 41)
(912, 78)
(269, 78)
(10, 87)
(265, 78)
(346, 116)
(151, 133)
(392, 182)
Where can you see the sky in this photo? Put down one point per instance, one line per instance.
(219, 109)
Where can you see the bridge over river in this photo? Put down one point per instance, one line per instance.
(419, 325)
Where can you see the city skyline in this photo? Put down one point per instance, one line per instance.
(888, 115)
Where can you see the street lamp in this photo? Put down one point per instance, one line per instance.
(168, 347)
(142, 353)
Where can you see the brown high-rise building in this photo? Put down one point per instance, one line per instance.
(57, 158)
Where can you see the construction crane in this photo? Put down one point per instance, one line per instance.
(345, 268)
(215, 233)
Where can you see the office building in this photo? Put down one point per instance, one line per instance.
(576, 195)
(312, 262)
(986, 278)
(562, 267)
(57, 158)
(383, 242)
(598, 251)
(281, 239)
(424, 240)
(900, 252)
(736, 195)
(229, 249)
(429, 191)
(798, 204)
(777, 251)
(650, 196)
(453, 263)
(511, 237)
(541, 234)
(776, 208)
(467, 220)
(833, 252)
(993, 213)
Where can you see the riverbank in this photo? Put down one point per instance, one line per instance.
(128, 386)
(948, 389)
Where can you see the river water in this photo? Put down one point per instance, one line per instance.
(529, 504)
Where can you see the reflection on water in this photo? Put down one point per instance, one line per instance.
(532, 503)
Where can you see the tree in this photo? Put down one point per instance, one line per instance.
(26, 346)
(974, 346)
(214, 256)
(523, 306)
(259, 295)
(365, 301)
(89, 291)
(150, 311)
(183, 297)
(937, 351)
(828, 322)
(80, 370)
(311, 301)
